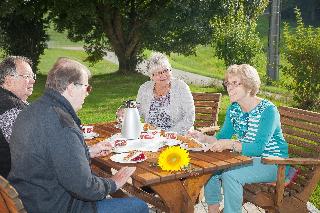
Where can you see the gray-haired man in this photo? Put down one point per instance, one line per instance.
(16, 85)
(50, 161)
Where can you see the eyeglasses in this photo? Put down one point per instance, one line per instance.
(233, 84)
(27, 77)
(161, 72)
(88, 87)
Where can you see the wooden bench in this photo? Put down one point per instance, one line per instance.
(9, 198)
(301, 130)
(207, 107)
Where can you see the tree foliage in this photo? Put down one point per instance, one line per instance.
(23, 28)
(235, 36)
(302, 50)
(129, 27)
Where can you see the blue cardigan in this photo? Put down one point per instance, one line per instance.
(259, 130)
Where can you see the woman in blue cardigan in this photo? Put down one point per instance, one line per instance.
(251, 127)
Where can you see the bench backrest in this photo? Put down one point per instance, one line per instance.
(301, 130)
(207, 107)
(9, 198)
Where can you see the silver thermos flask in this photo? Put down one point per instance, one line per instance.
(131, 125)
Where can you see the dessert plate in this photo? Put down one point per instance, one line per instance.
(129, 157)
(192, 144)
(90, 136)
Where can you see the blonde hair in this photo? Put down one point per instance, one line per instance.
(158, 61)
(249, 76)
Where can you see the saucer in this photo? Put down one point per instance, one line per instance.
(90, 136)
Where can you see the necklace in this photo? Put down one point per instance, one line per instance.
(161, 90)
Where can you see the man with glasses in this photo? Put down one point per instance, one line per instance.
(16, 85)
(50, 160)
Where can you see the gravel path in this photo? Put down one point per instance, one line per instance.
(191, 78)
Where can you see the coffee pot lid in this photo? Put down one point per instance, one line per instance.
(130, 104)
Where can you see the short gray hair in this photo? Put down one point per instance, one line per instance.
(158, 61)
(64, 72)
(248, 75)
(9, 66)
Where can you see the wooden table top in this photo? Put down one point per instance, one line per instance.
(148, 173)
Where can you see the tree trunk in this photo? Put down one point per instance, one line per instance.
(127, 64)
(125, 43)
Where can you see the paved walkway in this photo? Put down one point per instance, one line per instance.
(188, 77)
(191, 78)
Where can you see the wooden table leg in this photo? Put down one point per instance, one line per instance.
(180, 195)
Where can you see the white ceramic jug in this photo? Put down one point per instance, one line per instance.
(131, 125)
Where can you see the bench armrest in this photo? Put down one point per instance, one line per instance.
(282, 162)
(291, 161)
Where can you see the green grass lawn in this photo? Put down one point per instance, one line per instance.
(60, 39)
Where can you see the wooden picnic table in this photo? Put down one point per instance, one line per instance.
(176, 191)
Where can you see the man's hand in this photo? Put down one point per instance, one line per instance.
(100, 149)
(121, 177)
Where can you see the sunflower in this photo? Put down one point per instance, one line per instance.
(173, 158)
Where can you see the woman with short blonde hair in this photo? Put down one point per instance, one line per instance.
(252, 127)
(248, 76)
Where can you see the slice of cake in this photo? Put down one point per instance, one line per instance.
(135, 156)
(190, 142)
(139, 157)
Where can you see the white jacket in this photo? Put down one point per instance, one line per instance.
(181, 106)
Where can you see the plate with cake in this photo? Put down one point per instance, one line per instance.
(129, 157)
(191, 144)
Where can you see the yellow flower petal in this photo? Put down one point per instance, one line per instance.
(173, 158)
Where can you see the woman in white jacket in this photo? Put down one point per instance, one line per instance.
(164, 101)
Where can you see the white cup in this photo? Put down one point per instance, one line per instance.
(120, 142)
(171, 135)
(146, 135)
(87, 131)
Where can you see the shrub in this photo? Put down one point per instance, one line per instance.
(302, 50)
(235, 37)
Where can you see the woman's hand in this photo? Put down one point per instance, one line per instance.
(201, 137)
(221, 145)
(121, 177)
(100, 149)
(197, 135)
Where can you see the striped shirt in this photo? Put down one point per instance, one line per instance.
(259, 130)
